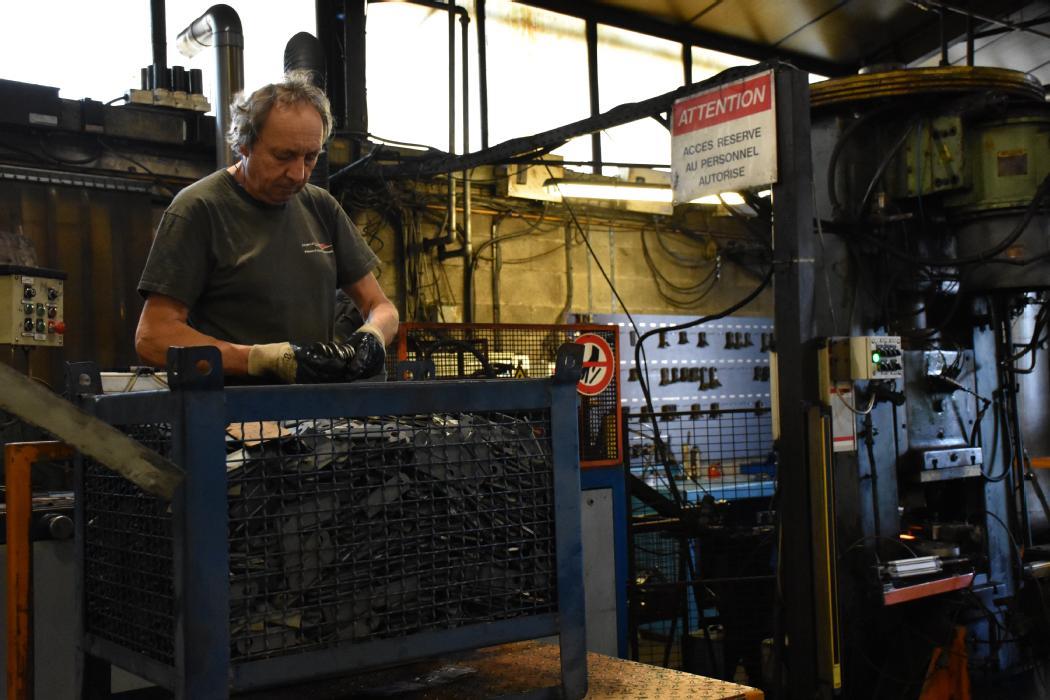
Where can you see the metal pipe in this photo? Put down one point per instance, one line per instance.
(1013, 26)
(354, 85)
(451, 6)
(328, 27)
(1011, 417)
(483, 77)
(969, 39)
(687, 63)
(158, 31)
(497, 265)
(942, 21)
(592, 84)
(304, 52)
(219, 28)
(568, 274)
(468, 292)
(1017, 26)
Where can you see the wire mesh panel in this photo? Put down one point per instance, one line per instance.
(128, 554)
(723, 454)
(701, 594)
(518, 351)
(348, 530)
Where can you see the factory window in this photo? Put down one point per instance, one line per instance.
(537, 65)
(46, 44)
(634, 67)
(407, 75)
(537, 74)
(537, 78)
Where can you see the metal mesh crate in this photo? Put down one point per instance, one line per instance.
(701, 596)
(360, 520)
(519, 351)
(129, 569)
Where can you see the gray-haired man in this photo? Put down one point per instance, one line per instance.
(247, 259)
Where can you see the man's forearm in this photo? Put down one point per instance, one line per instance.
(384, 316)
(152, 343)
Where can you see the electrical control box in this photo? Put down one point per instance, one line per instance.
(865, 357)
(31, 306)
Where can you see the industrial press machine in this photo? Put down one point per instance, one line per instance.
(931, 225)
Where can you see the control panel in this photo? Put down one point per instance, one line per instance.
(31, 306)
(870, 357)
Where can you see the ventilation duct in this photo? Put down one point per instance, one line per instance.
(219, 28)
(304, 52)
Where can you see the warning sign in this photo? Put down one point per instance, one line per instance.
(598, 364)
(724, 139)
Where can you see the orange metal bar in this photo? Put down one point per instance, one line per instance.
(19, 458)
(924, 590)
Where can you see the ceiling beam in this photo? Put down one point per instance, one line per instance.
(689, 34)
(924, 39)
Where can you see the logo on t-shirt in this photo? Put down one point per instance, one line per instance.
(325, 248)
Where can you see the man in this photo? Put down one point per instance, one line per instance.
(247, 259)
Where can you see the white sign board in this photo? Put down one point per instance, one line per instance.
(724, 139)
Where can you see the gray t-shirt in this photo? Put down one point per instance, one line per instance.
(251, 272)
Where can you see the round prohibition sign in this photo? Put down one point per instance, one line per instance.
(598, 364)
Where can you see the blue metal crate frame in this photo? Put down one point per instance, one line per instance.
(199, 409)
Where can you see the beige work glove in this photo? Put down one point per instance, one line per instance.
(361, 356)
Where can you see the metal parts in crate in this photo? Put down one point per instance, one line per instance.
(361, 520)
(382, 538)
(521, 351)
(32, 306)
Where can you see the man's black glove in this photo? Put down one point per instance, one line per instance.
(361, 356)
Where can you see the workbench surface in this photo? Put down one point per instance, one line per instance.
(520, 670)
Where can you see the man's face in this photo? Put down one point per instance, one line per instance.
(284, 154)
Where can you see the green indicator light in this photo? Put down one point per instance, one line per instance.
(875, 357)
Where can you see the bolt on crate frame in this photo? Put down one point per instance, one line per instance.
(198, 410)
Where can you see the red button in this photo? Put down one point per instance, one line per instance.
(60, 326)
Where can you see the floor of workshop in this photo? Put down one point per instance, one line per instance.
(519, 671)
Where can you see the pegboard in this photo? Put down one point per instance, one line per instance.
(742, 369)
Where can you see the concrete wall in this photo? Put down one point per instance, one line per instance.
(533, 284)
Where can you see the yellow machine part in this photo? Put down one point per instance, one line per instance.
(914, 81)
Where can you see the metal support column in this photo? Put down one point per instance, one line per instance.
(19, 458)
(793, 255)
(483, 72)
(329, 29)
(200, 511)
(94, 676)
(572, 626)
(158, 34)
(1001, 581)
(356, 94)
(592, 81)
